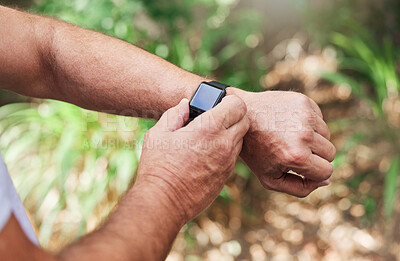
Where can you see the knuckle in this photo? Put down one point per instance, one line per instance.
(309, 115)
(296, 157)
(241, 106)
(309, 119)
(307, 136)
(238, 104)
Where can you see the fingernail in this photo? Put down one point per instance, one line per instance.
(183, 100)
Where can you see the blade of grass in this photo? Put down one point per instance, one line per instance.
(391, 187)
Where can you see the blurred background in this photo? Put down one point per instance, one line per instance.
(71, 166)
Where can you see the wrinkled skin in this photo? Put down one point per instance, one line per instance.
(190, 165)
(287, 133)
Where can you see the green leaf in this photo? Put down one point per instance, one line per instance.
(391, 186)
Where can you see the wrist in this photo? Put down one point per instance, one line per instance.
(143, 218)
(236, 91)
(192, 82)
(162, 201)
(247, 97)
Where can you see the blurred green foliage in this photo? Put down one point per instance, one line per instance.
(369, 62)
(351, 17)
(371, 70)
(60, 153)
(374, 67)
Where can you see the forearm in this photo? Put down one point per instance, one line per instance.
(90, 69)
(102, 73)
(142, 228)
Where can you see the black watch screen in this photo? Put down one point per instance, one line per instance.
(206, 97)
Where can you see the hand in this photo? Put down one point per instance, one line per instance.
(287, 134)
(190, 165)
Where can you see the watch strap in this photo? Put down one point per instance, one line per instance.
(193, 113)
(218, 85)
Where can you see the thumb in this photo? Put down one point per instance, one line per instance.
(176, 117)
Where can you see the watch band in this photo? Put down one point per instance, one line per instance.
(218, 85)
(193, 113)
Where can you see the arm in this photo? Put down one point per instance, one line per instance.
(51, 59)
(46, 58)
(181, 172)
(142, 228)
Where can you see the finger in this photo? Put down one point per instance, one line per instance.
(227, 113)
(174, 118)
(238, 148)
(315, 123)
(323, 148)
(321, 127)
(239, 130)
(316, 108)
(316, 168)
(296, 185)
(235, 155)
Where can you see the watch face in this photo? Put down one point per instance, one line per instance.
(206, 97)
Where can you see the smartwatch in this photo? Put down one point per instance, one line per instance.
(206, 97)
